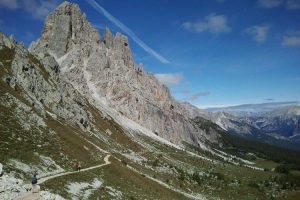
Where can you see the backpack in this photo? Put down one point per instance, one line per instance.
(34, 180)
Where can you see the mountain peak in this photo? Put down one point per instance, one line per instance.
(66, 3)
(65, 28)
(104, 71)
(108, 37)
(68, 8)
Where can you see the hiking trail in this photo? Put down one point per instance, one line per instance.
(35, 196)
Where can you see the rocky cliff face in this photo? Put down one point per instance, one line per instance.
(104, 72)
(36, 80)
(64, 29)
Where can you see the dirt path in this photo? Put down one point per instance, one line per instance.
(33, 196)
(107, 162)
(30, 196)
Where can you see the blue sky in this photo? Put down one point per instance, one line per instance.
(209, 52)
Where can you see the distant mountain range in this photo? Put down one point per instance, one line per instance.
(253, 109)
(275, 123)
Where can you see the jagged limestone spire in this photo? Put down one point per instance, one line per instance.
(105, 70)
(65, 28)
(108, 37)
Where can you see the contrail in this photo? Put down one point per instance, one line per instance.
(127, 30)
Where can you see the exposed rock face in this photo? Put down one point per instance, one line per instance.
(71, 29)
(108, 38)
(104, 71)
(192, 111)
(37, 80)
(7, 41)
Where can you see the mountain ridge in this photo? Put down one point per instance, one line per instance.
(274, 123)
(104, 70)
(253, 108)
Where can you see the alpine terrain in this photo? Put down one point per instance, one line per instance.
(77, 97)
(275, 123)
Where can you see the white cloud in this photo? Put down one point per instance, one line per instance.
(291, 39)
(9, 4)
(270, 3)
(196, 96)
(169, 79)
(212, 23)
(290, 4)
(127, 30)
(293, 4)
(38, 9)
(258, 33)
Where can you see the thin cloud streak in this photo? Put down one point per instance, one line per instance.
(36, 8)
(127, 30)
(183, 91)
(270, 3)
(196, 96)
(169, 79)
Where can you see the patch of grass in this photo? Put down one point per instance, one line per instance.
(118, 134)
(118, 176)
(155, 163)
(20, 144)
(73, 143)
(6, 55)
(266, 164)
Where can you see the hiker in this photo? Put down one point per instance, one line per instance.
(79, 166)
(34, 179)
(35, 187)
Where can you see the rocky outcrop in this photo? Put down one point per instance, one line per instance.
(36, 78)
(192, 111)
(71, 28)
(108, 38)
(104, 72)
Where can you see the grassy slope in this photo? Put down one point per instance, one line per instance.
(16, 143)
(116, 175)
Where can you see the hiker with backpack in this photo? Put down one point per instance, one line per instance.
(35, 187)
(34, 180)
